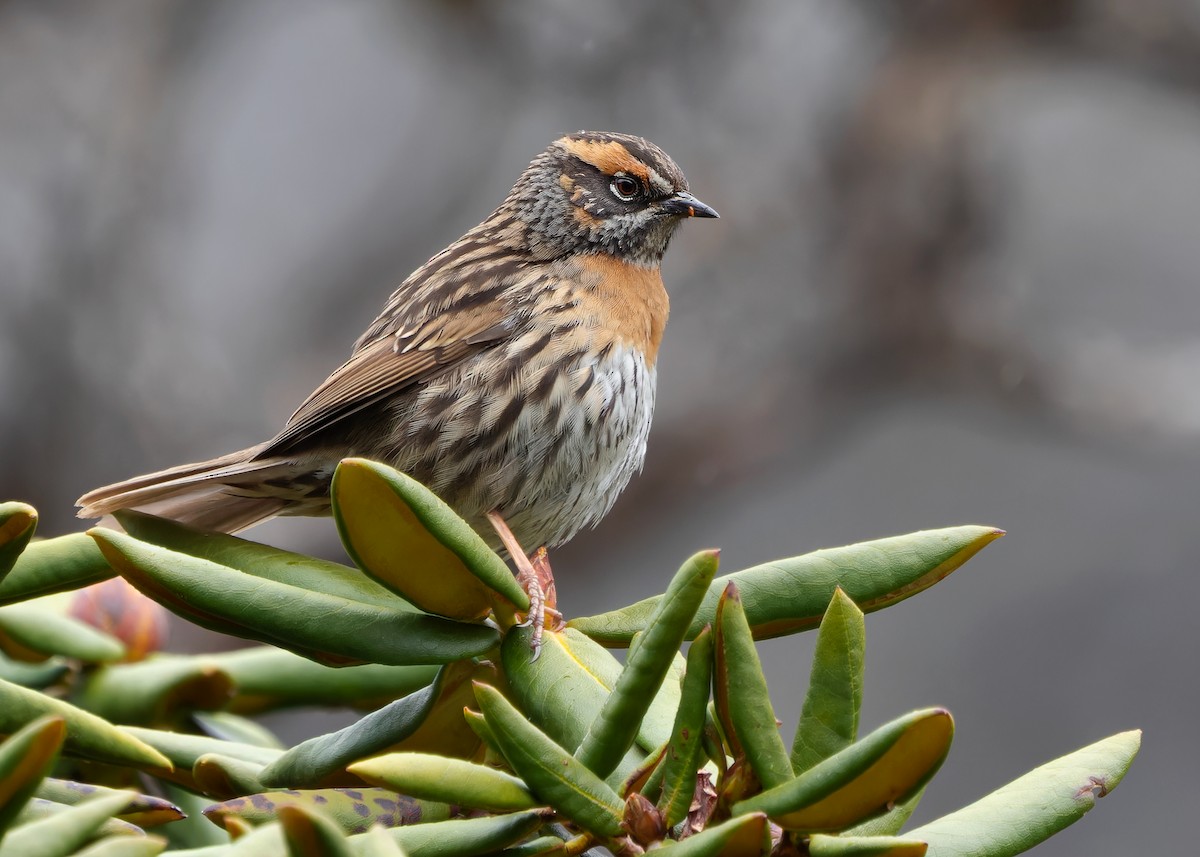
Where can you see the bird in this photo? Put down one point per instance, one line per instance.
(513, 373)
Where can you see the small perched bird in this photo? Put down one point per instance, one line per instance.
(512, 373)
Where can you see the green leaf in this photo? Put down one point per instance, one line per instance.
(829, 718)
(354, 810)
(266, 678)
(684, 751)
(224, 777)
(570, 681)
(125, 846)
(790, 595)
(259, 560)
(330, 627)
(25, 758)
(185, 750)
(822, 845)
(61, 834)
(891, 822)
(156, 691)
(312, 761)
(863, 780)
(17, 524)
(403, 535)
(38, 808)
(740, 691)
(308, 833)
(54, 565)
(142, 810)
(462, 837)
(31, 632)
(550, 771)
(87, 735)
(452, 781)
(744, 836)
(1034, 807)
(376, 843)
(615, 728)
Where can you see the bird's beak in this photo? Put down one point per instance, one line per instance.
(686, 205)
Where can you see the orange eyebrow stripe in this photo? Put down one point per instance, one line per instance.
(610, 157)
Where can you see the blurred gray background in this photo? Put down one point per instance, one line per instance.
(954, 282)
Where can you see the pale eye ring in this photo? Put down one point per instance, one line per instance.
(625, 187)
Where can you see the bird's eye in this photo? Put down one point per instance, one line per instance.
(626, 188)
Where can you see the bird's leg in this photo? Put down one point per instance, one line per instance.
(536, 578)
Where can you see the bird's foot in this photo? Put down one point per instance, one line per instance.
(537, 579)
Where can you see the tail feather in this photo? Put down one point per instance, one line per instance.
(225, 494)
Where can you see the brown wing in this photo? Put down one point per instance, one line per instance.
(384, 366)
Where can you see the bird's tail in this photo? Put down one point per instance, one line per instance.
(225, 494)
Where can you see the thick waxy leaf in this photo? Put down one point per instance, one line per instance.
(740, 692)
(33, 675)
(821, 845)
(194, 831)
(376, 843)
(25, 758)
(405, 537)
(829, 718)
(615, 728)
(54, 565)
(744, 836)
(62, 833)
(124, 846)
(550, 771)
(863, 780)
(570, 681)
(683, 756)
(185, 750)
(311, 762)
(790, 595)
(32, 632)
(87, 735)
(224, 777)
(891, 822)
(354, 810)
(452, 781)
(331, 627)
(37, 809)
(1034, 807)
(17, 523)
(265, 678)
(259, 560)
(155, 692)
(142, 810)
(462, 837)
(308, 833)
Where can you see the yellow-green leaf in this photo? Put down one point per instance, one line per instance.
(406, 538)
(829, 718)
(790, 595)
(87, 735)
(453, 781)
(54, 565)
(616, 726)
(17, 524)
(823, 845)
(1032, 808)
(25, 758)
(333, 628)
(549, 770)
(863, 780)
